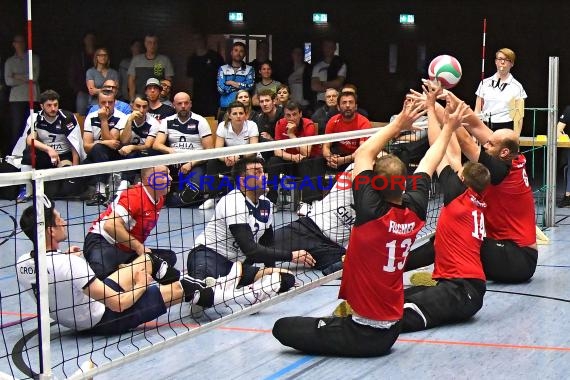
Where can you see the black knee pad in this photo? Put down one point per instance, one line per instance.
(287, 282)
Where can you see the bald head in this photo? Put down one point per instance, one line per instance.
(182, 104)
(503, 144)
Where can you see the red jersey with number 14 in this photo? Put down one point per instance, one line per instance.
(377, 251)
(460, 232)
(511, 214)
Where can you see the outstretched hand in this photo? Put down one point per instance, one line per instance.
(432, 91)
(411, 111)
(455, 117)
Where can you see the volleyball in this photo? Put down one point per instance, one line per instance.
(446, 69)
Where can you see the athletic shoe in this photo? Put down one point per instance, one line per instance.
(226, 285)
(97, 199)
(262, 289)
(422, 279)
(304, 208)
(192, 285)
(208, 204)
(342, 310)
(564, 202)
(173, 200)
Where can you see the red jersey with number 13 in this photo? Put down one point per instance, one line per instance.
(377, 251)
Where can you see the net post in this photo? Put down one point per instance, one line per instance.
(41, 278)
(549, 210)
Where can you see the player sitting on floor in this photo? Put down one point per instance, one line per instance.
(325, 231)
(509, 252)
(118, 236)
(386, 226)
(80, 301)
(460, 230)
(241, 231)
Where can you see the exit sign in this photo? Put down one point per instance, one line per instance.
(407, 19)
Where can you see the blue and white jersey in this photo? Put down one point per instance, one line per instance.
(139, 133)
(244, 75)
(235, 208)
(55, 134)
(334, 214)
(184, 136)
(93, 123)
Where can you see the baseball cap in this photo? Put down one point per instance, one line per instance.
(152, 82)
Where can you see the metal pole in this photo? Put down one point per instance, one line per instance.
(550, 204)
(31, 85)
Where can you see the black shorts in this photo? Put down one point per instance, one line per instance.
(104, 258)
(335, 336)
(303, 233)
(205, 262)
(148, 307)
(504, 261)
(450, 301)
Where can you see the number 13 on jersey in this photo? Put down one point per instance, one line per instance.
(392, 247)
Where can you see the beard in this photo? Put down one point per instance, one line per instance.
(183, 114)
(348, 113)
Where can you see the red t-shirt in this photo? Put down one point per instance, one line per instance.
(337, 124)
(511, 213)
(309, 129)
(460, 232)
(378, 247)
(138, 211)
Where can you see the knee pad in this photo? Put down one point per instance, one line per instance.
(287, 282)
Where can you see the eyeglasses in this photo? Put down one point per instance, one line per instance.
(502, 60)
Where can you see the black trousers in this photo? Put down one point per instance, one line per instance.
(303, 233)
(309, 168)
(421, 256)
(450, 301)
(205, 262)
(335, 336)
(101, 153)
(504, 261)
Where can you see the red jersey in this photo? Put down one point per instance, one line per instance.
(377, 250)
(337, 124)
(137, 209)
(460, 232)
(511, 214)
(309, 129)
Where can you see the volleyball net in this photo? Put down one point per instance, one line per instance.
(33, 344)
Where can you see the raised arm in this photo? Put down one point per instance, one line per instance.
(435, 153)
(366, 154)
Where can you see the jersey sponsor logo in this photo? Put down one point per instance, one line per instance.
(477, 202)
(401, 228)
(183, 145)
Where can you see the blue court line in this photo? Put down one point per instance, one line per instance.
(290, 367)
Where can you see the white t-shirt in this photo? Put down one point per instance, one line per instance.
(320, 71)
(232, 139)
(334, 214)
(496, 97)
(235, 208)
(68, 275)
